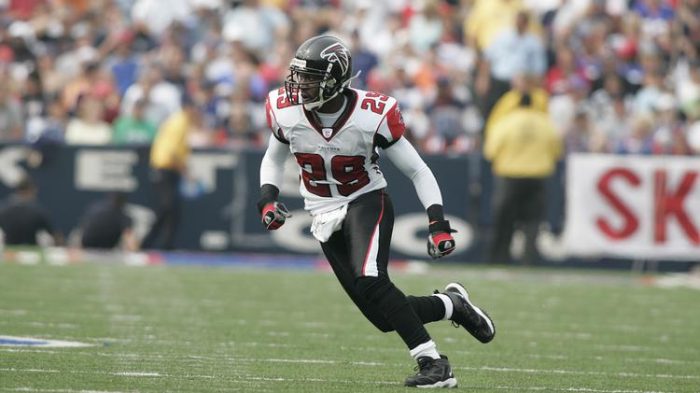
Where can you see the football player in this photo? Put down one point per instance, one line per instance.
(335, 133)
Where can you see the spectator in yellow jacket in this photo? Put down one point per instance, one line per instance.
(522, 84)
(523, 148)
(169, 155)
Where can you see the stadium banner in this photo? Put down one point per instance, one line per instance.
(620, 207)
(219, 208)
(638, 207)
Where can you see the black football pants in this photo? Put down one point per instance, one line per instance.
(359, 256)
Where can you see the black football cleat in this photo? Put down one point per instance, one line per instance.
(469, 316)
(432, 373)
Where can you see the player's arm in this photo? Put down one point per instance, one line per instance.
(273, 213)
(407, 159)
(410, 163)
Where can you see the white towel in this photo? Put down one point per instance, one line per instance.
(324, 224)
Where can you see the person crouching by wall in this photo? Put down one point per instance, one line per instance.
(105, 225)
(22, 218)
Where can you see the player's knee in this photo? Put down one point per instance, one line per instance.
(378, 291)
(383, 326)
(374, 289)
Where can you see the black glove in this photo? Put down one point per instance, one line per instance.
(440, 240)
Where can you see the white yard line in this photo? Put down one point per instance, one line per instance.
(322, 380)
(29, 370)
(13, 312)
(224, 357)
(25, 389)
(661, 361)
(484, 368)
(374, 364)
(22, 350)
(136, 374)
(252, 378)
(355, 382)
(575, 372)
(513, 388)
(572, 389)
(59, 325)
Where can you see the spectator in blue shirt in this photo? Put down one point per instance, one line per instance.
(125, 66)
(513, 52)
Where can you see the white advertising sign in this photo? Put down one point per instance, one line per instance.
(633, 207)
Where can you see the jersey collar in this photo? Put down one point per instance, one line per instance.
(315, 122)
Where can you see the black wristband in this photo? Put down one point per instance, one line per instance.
(440, 226)
(268, 194)
(435, 213)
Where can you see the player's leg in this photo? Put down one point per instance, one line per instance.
(335, 250)
(428, 308)
(453, 304)
(367, 229)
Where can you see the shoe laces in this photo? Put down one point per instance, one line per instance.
(423, 365)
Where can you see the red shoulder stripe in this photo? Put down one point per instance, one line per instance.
(395, 122)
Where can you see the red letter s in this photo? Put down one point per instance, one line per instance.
(631, 223)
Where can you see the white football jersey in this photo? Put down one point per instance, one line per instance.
(339, 163)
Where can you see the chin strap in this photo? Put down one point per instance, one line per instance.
(314, 105)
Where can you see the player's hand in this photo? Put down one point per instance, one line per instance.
(440, 240)
(274, 214)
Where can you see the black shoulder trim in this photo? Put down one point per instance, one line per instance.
(380, 141)
(280, 138)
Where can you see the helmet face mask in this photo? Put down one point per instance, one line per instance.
(304, 86)
(319, 71)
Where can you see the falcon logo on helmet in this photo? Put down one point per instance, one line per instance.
(337, 53)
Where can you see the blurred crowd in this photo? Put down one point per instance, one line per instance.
(616, 76)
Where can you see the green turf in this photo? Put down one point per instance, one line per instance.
(198, 329)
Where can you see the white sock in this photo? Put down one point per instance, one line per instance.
(449, 307)
(428, 349)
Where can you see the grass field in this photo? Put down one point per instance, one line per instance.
(203, 329)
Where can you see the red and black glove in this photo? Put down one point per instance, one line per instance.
(440, 240)
(274, 214)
